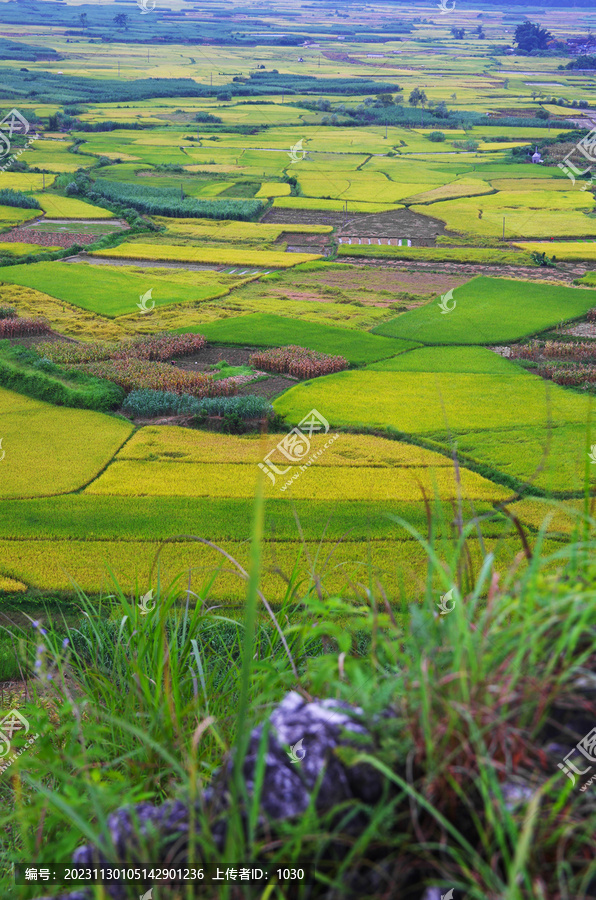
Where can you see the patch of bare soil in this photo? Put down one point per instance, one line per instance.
(375, 279)
(582, 329)
(269, 387)
(208, 356)
(422, 231)
(41, 338)
(299, 295)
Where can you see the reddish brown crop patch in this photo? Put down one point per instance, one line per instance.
(47, 238)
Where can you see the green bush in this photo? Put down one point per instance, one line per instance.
(146, 404)
(17, 198)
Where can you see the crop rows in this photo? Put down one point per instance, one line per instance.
(157, 347)
(136, 374)
(571, 376)
(15, 327)
(556, 350)
(298, 361)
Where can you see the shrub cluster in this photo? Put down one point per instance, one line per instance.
(14, 327)
(7, 312)
(297, 361)
(146, 404)
(591, 315)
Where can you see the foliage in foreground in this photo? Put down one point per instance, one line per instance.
(136, 707)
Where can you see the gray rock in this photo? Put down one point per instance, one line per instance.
(290, 780)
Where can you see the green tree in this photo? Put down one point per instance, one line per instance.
(121, 20)
(417, 97)
(458, 33)
(532, 36)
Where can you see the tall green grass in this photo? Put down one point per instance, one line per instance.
(133, 707)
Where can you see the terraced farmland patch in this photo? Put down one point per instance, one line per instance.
(490, 311)
(117, 291)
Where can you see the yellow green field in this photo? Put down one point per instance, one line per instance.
(70, 208)
(565, 250)
(64, 448)
(217, 255)
(14, 248)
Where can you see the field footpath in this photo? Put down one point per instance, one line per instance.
(162, 264)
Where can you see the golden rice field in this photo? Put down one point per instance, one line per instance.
(229, 230)
(180, 462)
(58, 207)
(25, 181)
(56, 565)
(155, 479)
(563, 250)
(166, 442)
(12, 215)
(273, 189)
(15, 248)
(216, 255)
(51, 449)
